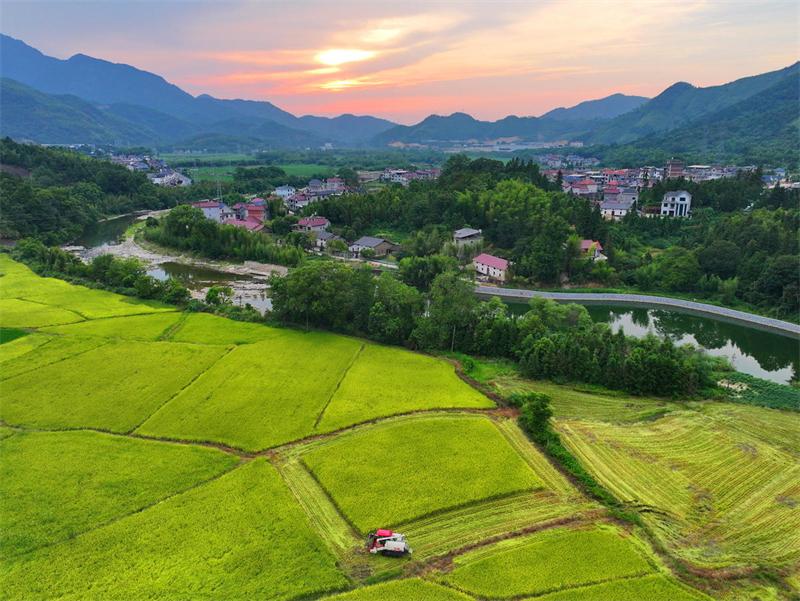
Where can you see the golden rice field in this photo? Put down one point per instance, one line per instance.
(150, 454)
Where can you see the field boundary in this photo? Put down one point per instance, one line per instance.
(339, 383)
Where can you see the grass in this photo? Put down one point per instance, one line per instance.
(239, 537)
(11, 334)
(384, 381)
(277, 388)
(718, 487)
(419, 468)
(549, 561)
(411, 589)
(17, 357)
(18, 313)
(94, 304)
(307, 170)
(651, 588)
(205, 328)
(113, 387)
(743, 388)
(152, 327)
(106, 477)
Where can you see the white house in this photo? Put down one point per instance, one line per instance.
(616, 209)
(285, 191)
(494, 267)
(216, 211)
(313, 224)
(677, 203)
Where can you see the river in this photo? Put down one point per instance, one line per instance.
(764, 354)
(105, 237)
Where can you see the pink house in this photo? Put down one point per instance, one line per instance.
(251, 223)
(494, 267)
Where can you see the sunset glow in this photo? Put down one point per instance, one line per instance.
(403, 62)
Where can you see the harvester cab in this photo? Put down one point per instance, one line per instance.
(386, 542)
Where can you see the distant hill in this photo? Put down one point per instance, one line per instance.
(167, 126)
(604, 108)
(123, 88)
(460, 126)
(64, 119)
(680, 104)
(763, 129)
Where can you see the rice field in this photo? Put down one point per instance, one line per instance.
(550, 561)
(356, 436)
(370, 390)
(429, 466)
(149, 328)
(107, 477)
(410, 589)
(114, 386)
(238, 537)
(717, 493)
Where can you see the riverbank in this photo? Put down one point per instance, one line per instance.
(642, 300)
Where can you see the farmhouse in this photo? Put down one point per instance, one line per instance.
(494, 267)
(593, 249)
(466, 235)
(216, 211)
(312, 224)
(285, 191)
(615, 209)
(324, 239)
(677, 203)
(250, 223)
(379, 245)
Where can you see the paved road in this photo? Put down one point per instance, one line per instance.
(511, 294)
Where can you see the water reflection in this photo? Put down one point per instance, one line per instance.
(104, 233)
(764, 354)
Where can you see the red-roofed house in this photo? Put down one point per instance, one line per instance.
(334, 183)
(593, 249)
(312, 224)
(251, 223)
(590, 184)
(494, 267)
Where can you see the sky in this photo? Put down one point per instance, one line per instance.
(406, 60)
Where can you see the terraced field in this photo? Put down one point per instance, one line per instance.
(150, 454)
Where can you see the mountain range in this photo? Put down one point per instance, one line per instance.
(85, 99)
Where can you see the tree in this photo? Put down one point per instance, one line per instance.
(219, 295)
(368, 253)
(720, 258)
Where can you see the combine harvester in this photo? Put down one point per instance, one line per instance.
(388, 543)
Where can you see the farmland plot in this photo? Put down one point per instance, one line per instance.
(433, 465)
(84, 479)
(260, 395)
(31, 284)
(205, 328)
(52, 350)
(9, 268)
(239, 537)
(715, 493)
(18, 313)
(544, 562)
(386, 381)
(20, 346)
(113, 387)
(93, 304)
(411, 589)
(150, 327)
(651, 588)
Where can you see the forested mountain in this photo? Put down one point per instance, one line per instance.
(762, 130)
(682, 103)
(64, 119)
(460, 126)
(603, 108)
(136, 93)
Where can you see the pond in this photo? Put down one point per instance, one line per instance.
(760, 353)
(104, 233)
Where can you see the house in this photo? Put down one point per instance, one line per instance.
(334, 184)
(615, 209)
(216, 211)
(312, 224)
(593, 248)
(494, 267)
(250, 223)
(677, 203)
(324, 239)
(314, 185)
(589, 184)
(379, 245)
(673, 169)
(298, 201)
(285, 191)
(466, 235)
(628, 194)
(610, 193)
